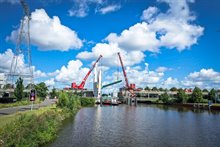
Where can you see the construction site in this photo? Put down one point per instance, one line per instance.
(127, 93)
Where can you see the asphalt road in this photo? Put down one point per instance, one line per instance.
(11, 110)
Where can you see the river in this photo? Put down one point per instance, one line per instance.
(141, 126)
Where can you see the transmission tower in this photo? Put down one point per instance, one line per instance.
(22, 49)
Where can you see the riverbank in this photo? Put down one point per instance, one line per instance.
(20, 103)
(203, 106)
(38, 127)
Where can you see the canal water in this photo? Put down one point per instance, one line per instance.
(141, 126)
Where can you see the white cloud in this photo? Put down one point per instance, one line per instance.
(172, 29)
(170, 82)
(6, 60)
(10, 1)
(108, 9)
(73, 72)
(49, 34)
(163, 69)
(203, 78)
(208, 75)
(21, 68)
(50, 82)
(137, 37)
(141, 78)
(39, 74)
(159, 30)
(149, 13)
(81, 8)
(53, 73)
(110, 56)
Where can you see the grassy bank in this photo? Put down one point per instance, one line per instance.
(19, 103)
(38, 127)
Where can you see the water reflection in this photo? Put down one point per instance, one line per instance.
(144, 125)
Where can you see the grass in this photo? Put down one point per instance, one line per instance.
(19, 103)
(38, 127)
(10, 118)
(31, 128)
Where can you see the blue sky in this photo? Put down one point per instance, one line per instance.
(163, 43)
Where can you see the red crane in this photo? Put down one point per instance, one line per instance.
(81, 86)
(130, 88)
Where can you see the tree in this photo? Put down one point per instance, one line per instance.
(165, 97)
(205, 90)
(63, 99)
(211, 95)
(161, 89)
(173, 89)
(41, 89)
(147, 88)
(154, 89)
(181, 96)
(8, 86)
(19, 90)
(30, 86)
(53, 94)
(197, 95)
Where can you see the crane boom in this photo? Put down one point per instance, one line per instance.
(123, 69)
(82, 84)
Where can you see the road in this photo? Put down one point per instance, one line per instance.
(11, 110)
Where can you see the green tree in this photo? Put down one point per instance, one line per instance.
(197, 95)
(30, 86)
(41, 89)
(205, 90)
(181, 96)
(19, 90)
(173, 89)
(161, 89)
(8, 86)
(147, 88)
(154, 89)
(165, 98)
(63, 100)
(53, 93)
(211, 94)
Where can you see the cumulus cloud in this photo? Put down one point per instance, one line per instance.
(50, 82)
(149, 13)
(49, 34)
(170, 82)
(108, 9)
(73, 72)
(174, 28)
(6, 60)
(21, 68)
(203, 78)
(110, 55)
(141, 77)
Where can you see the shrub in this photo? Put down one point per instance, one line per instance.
(63, 99)
(31, 130)
(87, 101)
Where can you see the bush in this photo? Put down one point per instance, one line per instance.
(63, 100)
(87, 101)
(164, 98)
(31, 130)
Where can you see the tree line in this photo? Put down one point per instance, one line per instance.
(196, 96)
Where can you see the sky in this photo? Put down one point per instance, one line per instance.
(163, 43)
